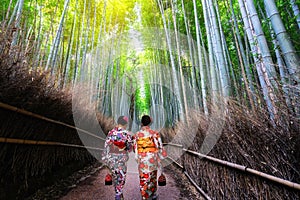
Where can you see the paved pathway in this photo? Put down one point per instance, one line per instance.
(94, 189)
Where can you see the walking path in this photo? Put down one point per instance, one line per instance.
(93, 188)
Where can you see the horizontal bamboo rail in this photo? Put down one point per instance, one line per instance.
(246, 169)
(25, 112)
(175, 145)
(45, 143)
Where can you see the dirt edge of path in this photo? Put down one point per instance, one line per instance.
(186, 188)
(61, 187)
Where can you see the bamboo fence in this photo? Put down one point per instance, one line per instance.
(210, 158)
(48, 143)
(237, 166)
(25, 112)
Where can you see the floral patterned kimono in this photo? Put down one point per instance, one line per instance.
(148, 152)
(117, 145)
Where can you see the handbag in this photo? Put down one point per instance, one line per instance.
(108, 179)
(162, 180)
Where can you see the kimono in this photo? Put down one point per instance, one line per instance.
(149, 151)
(117, 145)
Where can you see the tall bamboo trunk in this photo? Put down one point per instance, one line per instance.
(182, 81)
(296, 11)
(211, 63)
(17, 22)
(175, 78)
(244, 57)
(56, 43)
(200, 61)
(255, 52)
(262, 42)
(220, 51)
(290, 55)
(282, 70)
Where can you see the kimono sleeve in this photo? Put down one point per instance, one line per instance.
(135, 146)
(129, 142)
(107, 145)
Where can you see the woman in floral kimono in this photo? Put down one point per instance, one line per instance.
(117, 145)
(148, 153)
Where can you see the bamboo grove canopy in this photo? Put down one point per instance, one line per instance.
(246, 50)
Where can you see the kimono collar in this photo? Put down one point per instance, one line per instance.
(119, 128)
(145, 128)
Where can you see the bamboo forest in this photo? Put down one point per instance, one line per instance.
(220, 80)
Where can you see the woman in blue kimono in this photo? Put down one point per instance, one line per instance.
(117, 145)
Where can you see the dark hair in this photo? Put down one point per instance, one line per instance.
(123, 120)
(146, 120)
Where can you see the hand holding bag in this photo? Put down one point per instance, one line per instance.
(162, 180)
(108, 179)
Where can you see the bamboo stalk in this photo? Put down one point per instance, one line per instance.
(44, 143)
(25, 112)
(246, 169)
